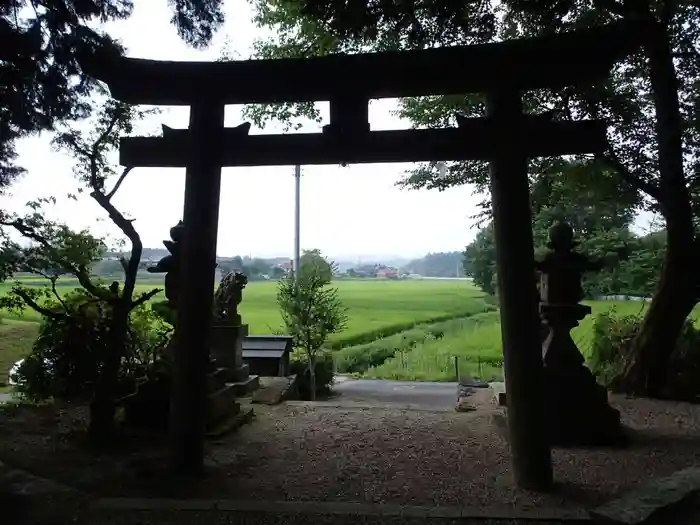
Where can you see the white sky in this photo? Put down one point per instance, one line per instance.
(353, 211)
(345, 211)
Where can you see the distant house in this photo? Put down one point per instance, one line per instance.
(388, 273)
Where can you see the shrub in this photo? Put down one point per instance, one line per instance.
(324, 373)
(610, 345)
(67, 355)
(611, 348)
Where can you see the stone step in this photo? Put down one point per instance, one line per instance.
(217, 379)
(231, 422)
(220, 517)
(660, 501)
(222, 404)
(246, 387)
(203, 512)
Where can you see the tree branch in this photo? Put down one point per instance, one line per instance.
(36, 306)
(613, 162)
(56, 294)
(146, 297)
(126, 171)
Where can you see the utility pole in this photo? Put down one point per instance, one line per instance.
(297, 219)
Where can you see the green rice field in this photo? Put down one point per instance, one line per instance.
(375, 308)
(395, 320)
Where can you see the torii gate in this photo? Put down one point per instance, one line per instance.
(505, 137)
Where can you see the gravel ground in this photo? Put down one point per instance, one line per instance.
(432, 458)
(382, 455)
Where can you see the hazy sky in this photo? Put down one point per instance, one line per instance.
(353, 210)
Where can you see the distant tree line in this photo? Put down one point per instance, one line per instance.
(442, 264)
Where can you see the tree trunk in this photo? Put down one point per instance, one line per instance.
(103, 407)
(312, 378)
(647, 368)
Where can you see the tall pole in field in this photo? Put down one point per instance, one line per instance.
(297, 219)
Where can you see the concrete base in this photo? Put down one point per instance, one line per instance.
(499, 393)
(246, 387)
(577, 410)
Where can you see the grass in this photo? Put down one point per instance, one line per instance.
(409, 330)
(375, 309)
(372, 305)
(477, 347)
(17, 338)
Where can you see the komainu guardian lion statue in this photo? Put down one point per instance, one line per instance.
(228, 296)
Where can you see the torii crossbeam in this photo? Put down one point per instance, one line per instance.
(505, 138)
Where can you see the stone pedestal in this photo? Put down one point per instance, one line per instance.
(227, 352)
(578, 413)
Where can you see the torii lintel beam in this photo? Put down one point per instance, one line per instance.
(551, 61)
(477, 139)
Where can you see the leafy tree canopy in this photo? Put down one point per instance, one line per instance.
(41, 82)
(311, 27)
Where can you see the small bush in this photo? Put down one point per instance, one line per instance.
(324, 373)
(610, 344)
(66, 358)
(611, 348)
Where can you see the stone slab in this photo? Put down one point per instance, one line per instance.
(652, 502)
(274, 390)
(246, 387)
(340, 508)
(27, 498)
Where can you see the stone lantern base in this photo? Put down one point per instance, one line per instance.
(576, 407)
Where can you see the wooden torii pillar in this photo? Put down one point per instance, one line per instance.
(505, 137)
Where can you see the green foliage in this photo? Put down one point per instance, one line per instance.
(373, 350)
(324, 372)
(311, 310)
(163, 310)
(635, 275)
(375, 357)
(55, 249)
(43, 83)
(611, 341)
(611, 348)
(67, 356)
(480, 260)
(316, 266)
(472, 307)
